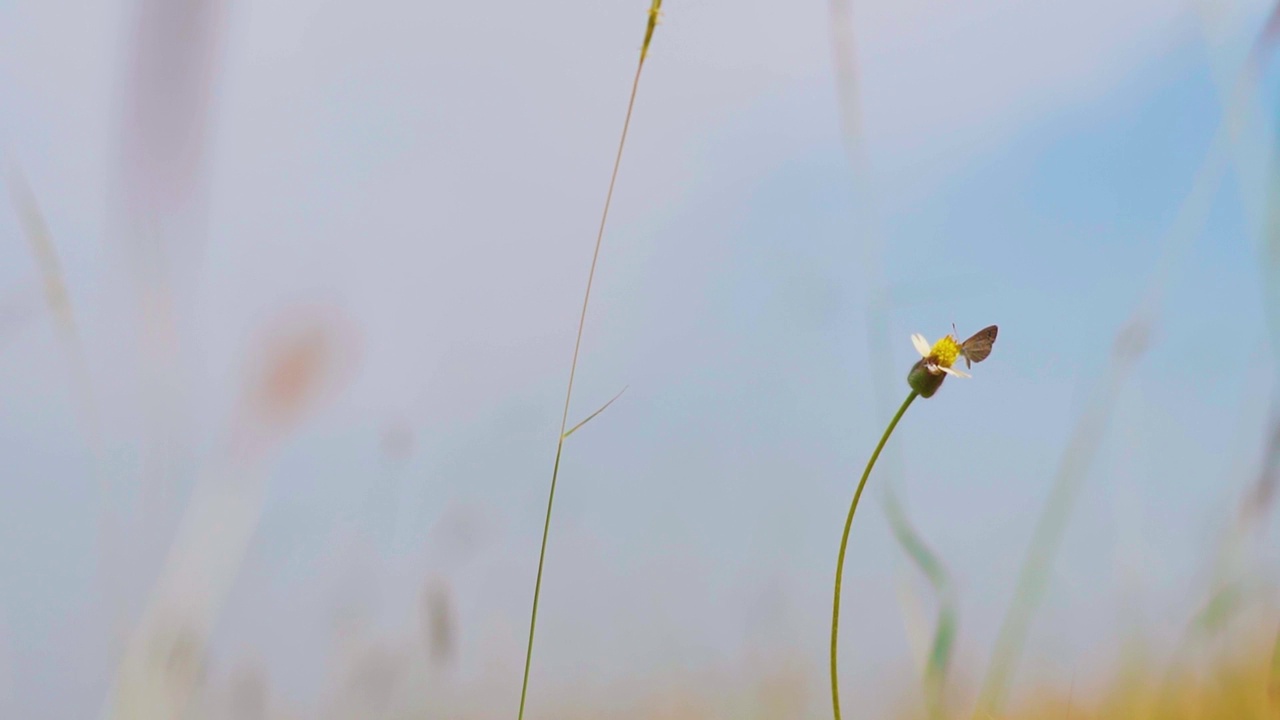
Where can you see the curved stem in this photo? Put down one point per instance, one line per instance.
(844, 545)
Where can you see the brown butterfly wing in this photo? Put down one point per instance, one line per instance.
(977, 348)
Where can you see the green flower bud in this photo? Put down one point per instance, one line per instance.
(923, 380)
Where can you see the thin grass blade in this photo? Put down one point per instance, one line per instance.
(592, 416)
(655, 9)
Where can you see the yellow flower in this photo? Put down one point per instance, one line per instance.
(939, 358)
(935, 364)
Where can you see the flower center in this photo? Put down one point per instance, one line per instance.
(944, 352)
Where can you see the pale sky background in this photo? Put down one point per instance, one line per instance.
(432, 173)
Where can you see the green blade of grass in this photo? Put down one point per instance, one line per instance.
(655, 8)
(592, 416)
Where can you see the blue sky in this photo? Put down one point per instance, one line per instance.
(434, 176)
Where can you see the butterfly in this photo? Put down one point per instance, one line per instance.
(977, 348)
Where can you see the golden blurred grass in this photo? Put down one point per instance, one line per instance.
(1235, 686)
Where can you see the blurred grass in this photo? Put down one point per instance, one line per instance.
(1232, 688)
(58, 300)
(1226, 599)
(938, 659)
(1131, 342)
(166, 662)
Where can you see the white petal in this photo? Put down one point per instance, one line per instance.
(922, 345)
(957, 373)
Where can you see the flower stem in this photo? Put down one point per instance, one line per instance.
(844, 544)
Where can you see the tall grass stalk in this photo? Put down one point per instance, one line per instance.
(844, 544)
(654, 10)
